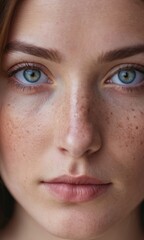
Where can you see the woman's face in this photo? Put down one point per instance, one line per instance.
(74, 105)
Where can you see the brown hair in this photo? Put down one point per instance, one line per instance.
(6, 12)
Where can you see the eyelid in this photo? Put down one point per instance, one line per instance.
(125, 66)
(30, 89)
(28, 65)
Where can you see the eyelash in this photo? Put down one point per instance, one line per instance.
(41, 87)
(127, 67)
(29, 66)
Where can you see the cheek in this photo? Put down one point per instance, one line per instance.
(122, 155)
(24, 137)
(129, 132)
(123, 125)
(126, 146)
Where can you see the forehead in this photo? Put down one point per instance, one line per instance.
(82, 9)
(69, 24)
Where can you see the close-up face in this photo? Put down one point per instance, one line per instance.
(73, 108)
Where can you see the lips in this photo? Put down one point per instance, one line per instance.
(76, 180)
(75, 189)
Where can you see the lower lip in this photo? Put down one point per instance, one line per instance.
(76, 193)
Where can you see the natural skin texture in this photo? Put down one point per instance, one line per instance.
(80, 123)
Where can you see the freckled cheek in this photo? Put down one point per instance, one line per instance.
(132, 129)
(127, 141)
(124, 144)
(23, 139)
(122, 130)
(13, 157)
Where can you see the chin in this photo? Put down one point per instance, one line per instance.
(78, 225)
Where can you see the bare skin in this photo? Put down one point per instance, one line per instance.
(79, 118)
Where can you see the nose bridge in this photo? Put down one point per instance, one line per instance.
(79, 114)
(78, 136)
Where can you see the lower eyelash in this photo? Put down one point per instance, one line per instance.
(135, 67)
(42, 87)
(132, 89)
(30, 89)
(136, 89)
(27, 89)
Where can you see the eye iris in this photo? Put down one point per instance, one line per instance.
(32, 75)
(127, 76)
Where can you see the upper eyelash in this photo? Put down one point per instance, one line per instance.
(26, 65)
(23, 66)
(29, 89)
(136, 67)
(129, 66)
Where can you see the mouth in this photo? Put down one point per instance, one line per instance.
(75, 189)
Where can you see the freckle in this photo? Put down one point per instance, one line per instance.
(136, 127)
(14, 149)
(141, 113)
(107, 119)
(127, 118)
(111, 113)
(141, 143)
(132, 138)
(134, 116)
(133, 109)
(11, 132)
(120, 125)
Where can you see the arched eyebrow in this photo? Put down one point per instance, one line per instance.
(49, 54)
(56, 56)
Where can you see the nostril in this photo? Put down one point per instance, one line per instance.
(63, 150)
(89, 152)
(77, 150)
(93, 150)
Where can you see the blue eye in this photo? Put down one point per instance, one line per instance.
(129, 77)
(31, 77)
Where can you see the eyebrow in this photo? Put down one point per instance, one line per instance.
(55, 56)
(121, 53)
(49, 54)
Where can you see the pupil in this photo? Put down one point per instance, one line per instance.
(126, 75)
(32, 74)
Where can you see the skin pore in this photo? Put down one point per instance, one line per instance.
(77, 119)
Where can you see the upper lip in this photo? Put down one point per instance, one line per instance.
(76, 180)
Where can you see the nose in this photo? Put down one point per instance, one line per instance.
(79, 134)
